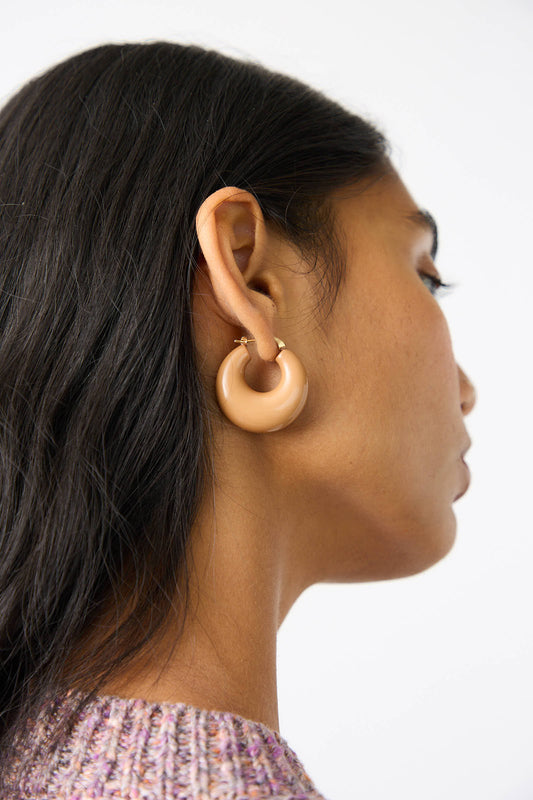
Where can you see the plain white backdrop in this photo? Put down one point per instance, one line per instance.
(420, 688)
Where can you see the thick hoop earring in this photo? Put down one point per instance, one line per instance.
(261, 412)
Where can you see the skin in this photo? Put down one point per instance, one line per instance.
(359, 487)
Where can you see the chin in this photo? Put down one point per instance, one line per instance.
(428, 548)
(399, 554)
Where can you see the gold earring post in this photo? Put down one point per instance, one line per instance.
(245, 340)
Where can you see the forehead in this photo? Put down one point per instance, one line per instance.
(380, 214)
(378, 201)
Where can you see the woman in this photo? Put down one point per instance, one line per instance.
(224, 377)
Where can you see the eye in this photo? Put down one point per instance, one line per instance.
(436, 286)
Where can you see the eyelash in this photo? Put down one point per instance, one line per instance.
(437, 286)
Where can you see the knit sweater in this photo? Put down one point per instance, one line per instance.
(133, 749)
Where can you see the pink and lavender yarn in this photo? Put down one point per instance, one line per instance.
(137, 750)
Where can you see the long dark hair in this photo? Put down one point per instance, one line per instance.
(104, 421)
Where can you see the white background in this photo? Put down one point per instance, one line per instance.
(418, 688)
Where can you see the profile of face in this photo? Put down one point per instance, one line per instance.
(361, 485)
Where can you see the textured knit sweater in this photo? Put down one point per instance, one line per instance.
(139, 750)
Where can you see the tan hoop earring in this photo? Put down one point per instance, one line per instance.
(261, 412)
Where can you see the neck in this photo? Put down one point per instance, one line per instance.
(225, 656)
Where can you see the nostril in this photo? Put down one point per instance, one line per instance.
(468, 404)
(467, 392)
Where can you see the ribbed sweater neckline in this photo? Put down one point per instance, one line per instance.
(134, 748)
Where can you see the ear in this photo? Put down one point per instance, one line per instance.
(232, 236)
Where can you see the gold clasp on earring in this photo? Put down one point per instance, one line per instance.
(245, 340)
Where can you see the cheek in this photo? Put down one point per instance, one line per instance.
(371, 460)
(399, 393)
(423, 366)
(382, 386)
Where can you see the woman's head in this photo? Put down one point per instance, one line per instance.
(105, 421)
(363, 480)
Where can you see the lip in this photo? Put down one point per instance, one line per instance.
(467, 480)
(463, 453)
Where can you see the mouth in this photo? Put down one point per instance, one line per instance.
(466, 478)
(468, 446)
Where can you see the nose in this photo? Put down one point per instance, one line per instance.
(467, 392)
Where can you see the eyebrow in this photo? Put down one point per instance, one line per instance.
(426, 220)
